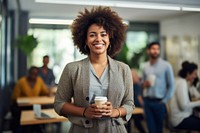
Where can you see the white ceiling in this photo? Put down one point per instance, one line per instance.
(69, 11)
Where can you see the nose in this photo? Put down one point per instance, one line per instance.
(98, 38)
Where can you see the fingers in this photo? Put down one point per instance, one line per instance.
(94, 111)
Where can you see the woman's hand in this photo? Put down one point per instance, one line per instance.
(106, 110)
(93, 111)
(110, 111)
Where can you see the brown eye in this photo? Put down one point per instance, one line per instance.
(91, 35)
(104, 34)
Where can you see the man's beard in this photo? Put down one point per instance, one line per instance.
(154, 56)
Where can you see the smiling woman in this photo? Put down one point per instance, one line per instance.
(99, 33)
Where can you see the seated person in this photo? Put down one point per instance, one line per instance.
(30, 86)
(181, 107)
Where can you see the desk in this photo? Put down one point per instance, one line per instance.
(28, 117)
(29, 101)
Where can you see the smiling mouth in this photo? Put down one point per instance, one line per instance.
(98, 45)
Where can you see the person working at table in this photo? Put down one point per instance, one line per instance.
(30, 86)
(181, 105)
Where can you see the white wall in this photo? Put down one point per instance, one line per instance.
(181, 36)
(182, 25)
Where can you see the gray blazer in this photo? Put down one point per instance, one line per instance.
(74, 82)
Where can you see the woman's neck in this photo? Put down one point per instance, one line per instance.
(99, 60)
(99, 64)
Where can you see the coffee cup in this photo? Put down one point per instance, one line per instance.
(152, 79)
(100, 100)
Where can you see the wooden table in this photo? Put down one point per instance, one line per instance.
(29, 101)
(138, 110)
(28, 117)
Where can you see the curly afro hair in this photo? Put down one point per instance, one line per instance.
(102, 16)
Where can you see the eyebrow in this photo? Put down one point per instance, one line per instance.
(95, 32)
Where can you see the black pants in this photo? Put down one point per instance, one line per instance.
(137, 121)
(190, 123)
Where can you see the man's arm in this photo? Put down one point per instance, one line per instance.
(170, 84)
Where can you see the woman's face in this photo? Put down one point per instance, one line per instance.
(97, 40)
(192, 76)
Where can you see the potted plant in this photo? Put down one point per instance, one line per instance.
(26, 43)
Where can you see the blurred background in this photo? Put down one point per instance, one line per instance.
(30, 29)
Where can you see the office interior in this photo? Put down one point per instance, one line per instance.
(177, 29)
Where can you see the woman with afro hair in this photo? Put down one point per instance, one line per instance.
(100, 34)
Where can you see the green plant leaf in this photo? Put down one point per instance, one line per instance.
(26, 43)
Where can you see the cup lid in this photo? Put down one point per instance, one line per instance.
(100, 98)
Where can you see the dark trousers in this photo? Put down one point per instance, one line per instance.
(138, 122)
(190, 123)
(155, 112)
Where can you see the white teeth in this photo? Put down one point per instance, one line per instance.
(98, 44)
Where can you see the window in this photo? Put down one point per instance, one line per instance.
(56, 43)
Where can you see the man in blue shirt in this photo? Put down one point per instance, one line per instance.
(158, 88)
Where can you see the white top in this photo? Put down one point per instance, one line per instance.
(180, 106)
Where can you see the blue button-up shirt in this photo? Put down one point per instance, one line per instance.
(164, 83)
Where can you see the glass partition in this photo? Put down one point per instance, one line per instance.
(56, 43)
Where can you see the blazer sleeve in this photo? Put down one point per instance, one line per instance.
(64, 90)
(128, 100)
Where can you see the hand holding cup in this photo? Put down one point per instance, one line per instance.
(152, 79)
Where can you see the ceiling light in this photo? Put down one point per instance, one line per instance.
(147, 6)
(77, 2)
(50, 21)
(114, 3)
(190, 9)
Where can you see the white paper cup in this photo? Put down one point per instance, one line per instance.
(152, 79)
(99, 100)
